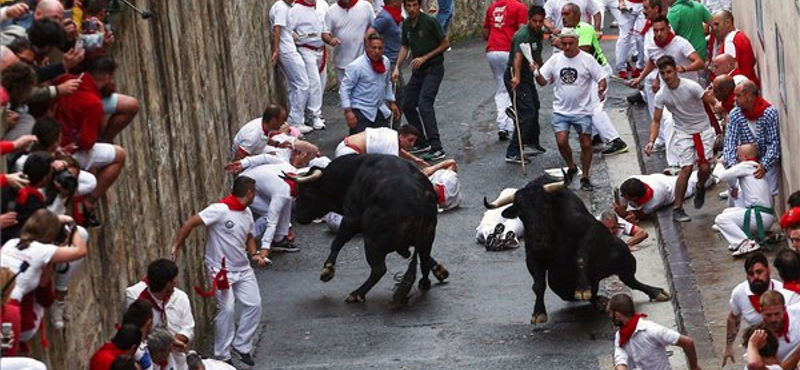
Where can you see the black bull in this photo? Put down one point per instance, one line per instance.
(388, 200)
(566, 245)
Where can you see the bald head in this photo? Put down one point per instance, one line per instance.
(724, 64)
(52, 9)
(723, 86)
(722, 24)
(571, 15)
(747, 152)
(746, 95)
(749, 87)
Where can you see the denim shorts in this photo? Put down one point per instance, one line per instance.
(582, 123)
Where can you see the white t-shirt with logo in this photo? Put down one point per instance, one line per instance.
(574, 79)
(36, 254)
(679, 49)
(227, 235)
(686, 104)
(348, 26)
(279, 16)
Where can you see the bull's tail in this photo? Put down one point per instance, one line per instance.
(403, 288)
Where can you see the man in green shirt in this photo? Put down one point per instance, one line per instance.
(588, 42)
(686, 18)
(426, 40)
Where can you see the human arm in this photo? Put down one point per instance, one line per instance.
(183, 233)
(261, 257)
(597, 19)
(695, 65)
(12, 146)
(790, 362)
(276, 44)
(741, 169)
(620, 355)
(75, 250)
(13, 11)
(602, 86)
(732, 137)
(772, 139)
(346, 86)
(654, 127)
(687, 344)
(754, 344)
(517, 75)
(401, 57)
(183, 324)
(731, 331)
(417, 161)
(639, 234)
(545, 74)
(8, 219)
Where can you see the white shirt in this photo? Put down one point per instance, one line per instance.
(227, 235)
(624, 228)
(553, 9)
(784, 348)
(178, 310)
(679, 48)
(574, 80)
(754, 192)
(348, 26)
(789, 296)
(212, 364)
(279, 16)
(447, 180)
(646, 347)
(36, 254)
(382, 141)
(663, 192)
(307, 23)
(269, 184)
(250, 137)
(686, 105)
(740, 302)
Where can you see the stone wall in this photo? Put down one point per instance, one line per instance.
(199, 69)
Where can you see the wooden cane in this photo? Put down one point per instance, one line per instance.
(517, 125)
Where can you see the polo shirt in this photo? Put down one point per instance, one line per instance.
(587, 36)
(534, 39)
(503, 19)
(391, 32)
(422, 37)
(687, 17)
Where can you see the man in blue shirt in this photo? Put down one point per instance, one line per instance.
(366, 87)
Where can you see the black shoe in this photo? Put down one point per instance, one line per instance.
(284, 246)
(535, 150)
(502, 135)
(495, 239)
(570, 175)
(596, 140)
(419, 149)
(90, 219)
(680, 215)
(615, 147)
(245, 357)
(586, 185)
(636, 98)
(516, 159)
(509, 241)
(434, 155)
(699, 197)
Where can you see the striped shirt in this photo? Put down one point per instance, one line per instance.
(766, 136)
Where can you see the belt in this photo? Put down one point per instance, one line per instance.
(315, 48)
(759, 221)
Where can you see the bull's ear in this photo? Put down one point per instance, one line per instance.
(510, 212)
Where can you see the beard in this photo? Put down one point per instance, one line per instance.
(758, 286)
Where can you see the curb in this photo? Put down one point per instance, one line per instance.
(687, 301)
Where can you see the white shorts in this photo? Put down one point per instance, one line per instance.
(688, 149)
(99, 156)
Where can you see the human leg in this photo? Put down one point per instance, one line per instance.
(297, 86)
(124, 112)
(247, 293)
(527, 102)
(498, 60)
(224, 322)
(412, 93)
(625, 41)
(445, 14)
(730, 223)
(430, 88)
(314, 104)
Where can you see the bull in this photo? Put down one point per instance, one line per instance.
(566, 245)
(386, 199)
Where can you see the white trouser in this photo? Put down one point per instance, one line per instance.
(731, 222)
(294, 70)
(21, 363)
(311, 60)
(601, 123)
(244, 288)
(276, 223)
(630, 37)
(65, 271)
(611, 6)
(323, 74)
(498, 62)
(666, 131)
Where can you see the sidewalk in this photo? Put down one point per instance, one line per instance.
(701, 271)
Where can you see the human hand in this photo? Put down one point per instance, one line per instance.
(17, 180)
(59, 165)
(631, 217)
(181, 343)
(70, 28)
(175, 252)
(758, 339)
(73, 57)
(760, 171)
(335, 41)
(69, 149)
(274, 59)
(635, 83)
(395, 75)
(648, 149)
(17, 10)
(68, 87)
(418, 62)
(234, 167)
(11, 118)
(351, 119)
(395, 110)
(108, 38)
(515, 82)
(728, 355)
(24, 141)
(261, 261)
(601, 93)
(8, 219)
(656, 85)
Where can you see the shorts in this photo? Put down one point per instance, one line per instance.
(110, 104)
(99, 156)
(686, 150)
(582, 123)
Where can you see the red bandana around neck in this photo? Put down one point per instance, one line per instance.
(784, 330)
(161, 309)
(440, 193)
(26, 192)
(648, 194)
(305, 3)
(379, 67)
(626, 331)
(233, 203)
(755, 299)
(793, 286)
(292, 185)
(647, 24)
(758, 109)
(349, 5)
(729, 103)
(396, 13)
(666, 42)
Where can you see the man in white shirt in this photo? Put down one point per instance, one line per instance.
(444, 177)
(171, 308)
(665, 42)
(745, 299)
(228, 252)
(642, 195)
(306, 25)
(629, 15)
(345, 25)
(590, 9)
(573, 73)
(620, 227)
(285, 55)
(641, 343)
(782, 320)
(744, 227)
(382, 141)
(694, 137)
(253, 138)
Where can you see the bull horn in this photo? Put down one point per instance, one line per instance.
(554, 187)
(310, 177)
(499, 202)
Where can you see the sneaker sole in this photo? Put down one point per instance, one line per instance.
(620, 151)
(279, 249)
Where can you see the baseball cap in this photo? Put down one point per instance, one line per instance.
(568, 32)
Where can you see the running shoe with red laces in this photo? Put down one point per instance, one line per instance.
(623, 75)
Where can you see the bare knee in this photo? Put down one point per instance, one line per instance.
(127, 105)
(120, 155)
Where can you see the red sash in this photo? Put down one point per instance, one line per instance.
(698, 147)
(351, 146)
(440, 197)
(220, 282)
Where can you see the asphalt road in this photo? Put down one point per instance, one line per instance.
(479, 319)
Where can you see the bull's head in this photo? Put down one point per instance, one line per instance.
(311, 200)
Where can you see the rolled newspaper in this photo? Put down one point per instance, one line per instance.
(525, 48)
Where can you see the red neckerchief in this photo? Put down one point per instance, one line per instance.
(751, 159)
(758, 109)
(302, 2)
(292, 185)
(378, 66)
(626, 331)
(25, 193)
(790, 218)
(755, 299)
(162, 309)
(793, 286)
(665, 43)
(729, 103)
(396, 13)
(233, 203)
(648, 194)
(349, 5)
(784, 330)
(647, 24)
(440, 198)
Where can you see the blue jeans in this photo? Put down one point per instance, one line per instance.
(446, 10)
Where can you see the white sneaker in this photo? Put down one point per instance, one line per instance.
(746, 246)
(304, 129)
(57, 314)
(319, 124)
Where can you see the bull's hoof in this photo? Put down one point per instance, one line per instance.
(583, 295)
(327, 273)
(440, 272)
(662, 296)
(354, 299)
(425, 284)
(539, 318)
